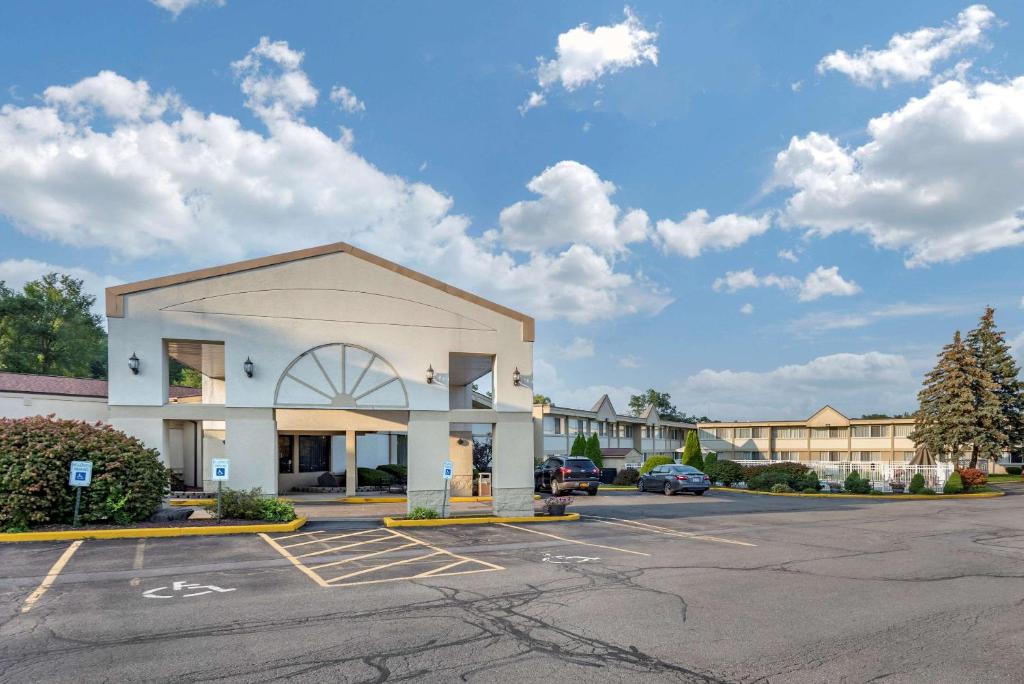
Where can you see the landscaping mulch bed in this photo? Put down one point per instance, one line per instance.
(205, 522)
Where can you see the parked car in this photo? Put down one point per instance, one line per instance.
(563, 474)
(672, 479)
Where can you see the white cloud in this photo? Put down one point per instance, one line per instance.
(574, 206)
(912, 56)
(699, 233)
(16, 272)
(747, 309)
(548, 382)
(585, 55)
(842, 320)
(788, 255)
(630, 361)
(853, 383)
(347, 100)
(818, 283)
(796, 86)
(578, 348)
(176, 7)
(159, 178)
(939, 178)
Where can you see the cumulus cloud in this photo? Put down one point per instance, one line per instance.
(578, 348)
(347, 100)
(548, 382)
(747, 309)
(912, 56)
(818, 283)
(176, 7)
(853, 383)
(585, 55)
(16, 272)
(939, 178)
(788, 255)
(698, 232)
(574, 206)
(159, 178)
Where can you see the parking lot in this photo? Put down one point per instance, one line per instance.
(727, 587)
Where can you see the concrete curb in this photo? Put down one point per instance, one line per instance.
(140, 532)
(192, 502)
(911, 497)
(479, 520)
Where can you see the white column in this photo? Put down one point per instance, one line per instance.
(512, 466)
(351, 466)
(427, 452)
(251, 444)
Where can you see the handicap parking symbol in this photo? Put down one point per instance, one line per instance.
(220, 472)
(80, 476)
(182, 587)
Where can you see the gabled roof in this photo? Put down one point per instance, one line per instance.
(28, 383)
(115, 295)
(597, 406)
(650, 411)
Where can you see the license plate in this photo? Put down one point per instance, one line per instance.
(584, 485)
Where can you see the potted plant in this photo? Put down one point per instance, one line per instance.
(897, 487)
(555, 505)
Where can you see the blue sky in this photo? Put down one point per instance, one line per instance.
(758, 207)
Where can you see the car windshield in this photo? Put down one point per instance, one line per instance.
(683, 469)
(580, 463)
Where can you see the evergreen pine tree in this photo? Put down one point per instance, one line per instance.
(691, 452)
(593, 451)
(956, 403)
(992, 353)
(579, 446)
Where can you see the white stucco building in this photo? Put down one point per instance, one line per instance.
(322, 359)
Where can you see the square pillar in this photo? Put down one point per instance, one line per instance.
(512, 466)
(428, 450)
(351, 469)
(251, 444)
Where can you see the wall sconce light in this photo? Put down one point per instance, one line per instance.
(133, 363)
(516, 376)
(248, 366)
(430, 374)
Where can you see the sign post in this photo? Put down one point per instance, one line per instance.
(221, 472)
(446, 473)
(80, 476)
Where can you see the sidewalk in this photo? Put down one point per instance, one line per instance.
(313, 510)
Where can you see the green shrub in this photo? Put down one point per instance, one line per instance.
(763, 477)
(276, 510)
(710, 458)
(399, 472)
(725, 471)
(593, 450)
(128, 480)
(916, 484)
(252, 504)
(781, 488)
(1013, 470)
(579, 446)
(372, 477)
(655, 461)
(809, 490)
(954, 485)
(927, 490)
(809, 481)
(855, 484)
(627, 477)
(423, 513)
(691, 452)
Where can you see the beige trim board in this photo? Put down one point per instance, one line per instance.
(115, 295)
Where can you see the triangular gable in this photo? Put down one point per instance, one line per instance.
(604, 409)
(826, 416)
(650, 415)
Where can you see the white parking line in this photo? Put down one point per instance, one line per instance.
(575, 541)
(51, 576)
(668, 531)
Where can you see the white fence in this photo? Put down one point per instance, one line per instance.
(881, 473)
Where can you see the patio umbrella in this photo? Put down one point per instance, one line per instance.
(923, 457)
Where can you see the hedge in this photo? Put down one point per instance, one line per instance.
(725, 471)
(128, 479)
(764, 477)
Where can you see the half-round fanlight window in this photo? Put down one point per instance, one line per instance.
(341, 376)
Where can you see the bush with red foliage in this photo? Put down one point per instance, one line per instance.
(973, 477)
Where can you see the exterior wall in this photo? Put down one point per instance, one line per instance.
(24, 405)
(548, 443)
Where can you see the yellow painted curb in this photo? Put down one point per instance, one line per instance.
(481, 520)
(479, 499)
(137, 532)
(911, 497)
(192, 502)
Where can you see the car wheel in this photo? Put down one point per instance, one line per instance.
(639, 485)
(592, 492)
(668, 489)
(536, 485)
(554, 488)
(700, 492)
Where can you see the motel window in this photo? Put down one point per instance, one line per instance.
(285, 454)
(627, 430)
(903, 430)
(552, 425)
(743, 432)
(601, 427)
(723, 433)
(314, 453)
(791, 433)
(758, 432)
(835, 455)
(828, 433)
(908, 456)
(578, 426)
(870, 430)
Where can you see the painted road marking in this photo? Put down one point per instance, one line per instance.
(51, 576)
(567, 560)
(181, 586)
(140, 553)
(575, 541)
(636, 525)
(362, 566)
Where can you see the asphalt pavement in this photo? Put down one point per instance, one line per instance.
(725, 587)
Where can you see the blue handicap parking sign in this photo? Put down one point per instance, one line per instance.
(80, 476)
(220, 472)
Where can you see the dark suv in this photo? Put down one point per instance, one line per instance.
(563, 474)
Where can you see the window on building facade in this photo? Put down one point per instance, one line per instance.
(759, 432)
(743, 433)
(790, 433)
(314, 453)
(870, 430)
(908, 456)
(285, 454)
(785, 456)
(829, 433)
(723, 433)
(903, 430)
(835, 455)
(552, 425)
